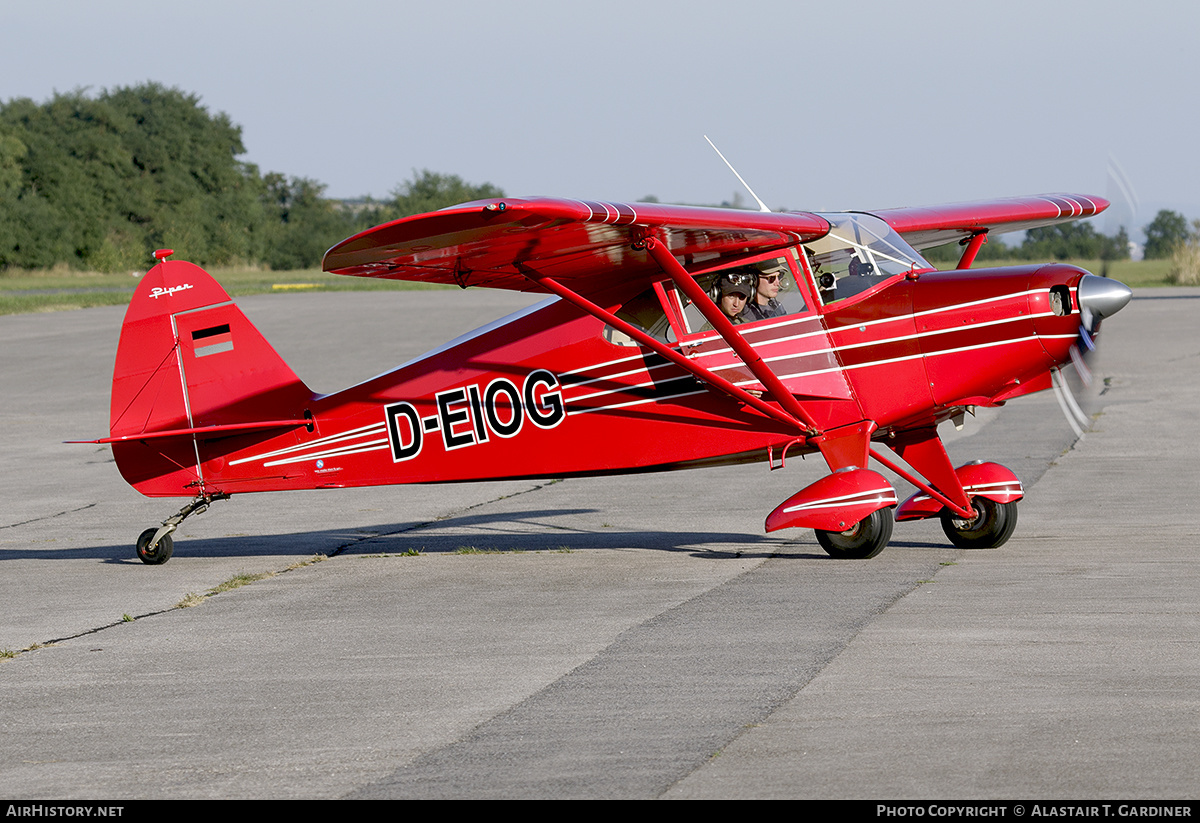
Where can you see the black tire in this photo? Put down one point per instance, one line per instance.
(993, 525)
(864, 539)
(154, 555)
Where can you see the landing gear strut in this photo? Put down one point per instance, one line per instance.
(154, 545)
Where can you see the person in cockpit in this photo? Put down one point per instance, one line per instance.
(732, 291)
(764, 303)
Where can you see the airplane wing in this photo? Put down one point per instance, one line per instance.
(589, 245)
(927, 226)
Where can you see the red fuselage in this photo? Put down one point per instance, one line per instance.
(545, 393)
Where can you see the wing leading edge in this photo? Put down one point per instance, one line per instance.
(597, 245)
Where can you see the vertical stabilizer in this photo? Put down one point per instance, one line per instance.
(189, 360)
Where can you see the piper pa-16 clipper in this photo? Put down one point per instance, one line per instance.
(672, 337)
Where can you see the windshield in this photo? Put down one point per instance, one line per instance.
(859, 251)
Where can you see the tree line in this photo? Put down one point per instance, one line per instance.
(99, 182)
(1066, 241)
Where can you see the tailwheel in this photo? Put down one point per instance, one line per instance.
(864, 539)
(991, 527)
(154, 552)
(151, 553)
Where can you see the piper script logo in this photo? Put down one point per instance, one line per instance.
(158, 291)
(468, 415)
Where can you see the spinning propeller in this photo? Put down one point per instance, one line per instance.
(1099, 297)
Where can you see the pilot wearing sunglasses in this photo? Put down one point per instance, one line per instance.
(765, 304)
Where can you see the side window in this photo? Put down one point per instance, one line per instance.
(646, 313)
(765, 289)
(777, 293)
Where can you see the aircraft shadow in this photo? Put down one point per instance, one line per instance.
(510, 532)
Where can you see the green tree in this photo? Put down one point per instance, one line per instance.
(1064, 241)
(36, 230)
(12, 154)
(1116, 248)
(428, 191)
(101, 181)
(186, 162)
(1166, 232)
(105, 180)
(994, 249)
(303, 222)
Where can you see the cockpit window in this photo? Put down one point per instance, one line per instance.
(768, 288)
(859, 251)
(646, 313)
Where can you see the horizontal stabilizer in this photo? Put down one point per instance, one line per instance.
(203, 432)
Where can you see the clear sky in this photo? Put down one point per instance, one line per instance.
(837, 105)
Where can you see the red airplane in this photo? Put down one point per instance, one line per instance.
(672, 337)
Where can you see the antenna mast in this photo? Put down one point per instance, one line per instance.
(761, 205)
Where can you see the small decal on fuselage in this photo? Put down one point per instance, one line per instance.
(469, 415)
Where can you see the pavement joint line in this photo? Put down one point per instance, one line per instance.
(9, 654)
(46, 517)
(194, 599)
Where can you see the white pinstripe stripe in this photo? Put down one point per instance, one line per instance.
(883, 495)
(374, 445)
(353, 434)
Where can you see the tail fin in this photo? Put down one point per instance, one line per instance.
(191, 368)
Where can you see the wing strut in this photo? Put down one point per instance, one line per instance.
(957, 508)
(973, 244)
(720, 322)
(696, 370)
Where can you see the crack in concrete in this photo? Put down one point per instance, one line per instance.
(335, 553)
(46, 517)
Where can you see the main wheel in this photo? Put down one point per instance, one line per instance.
(992, 526)
(154, 555)
(864, 539)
